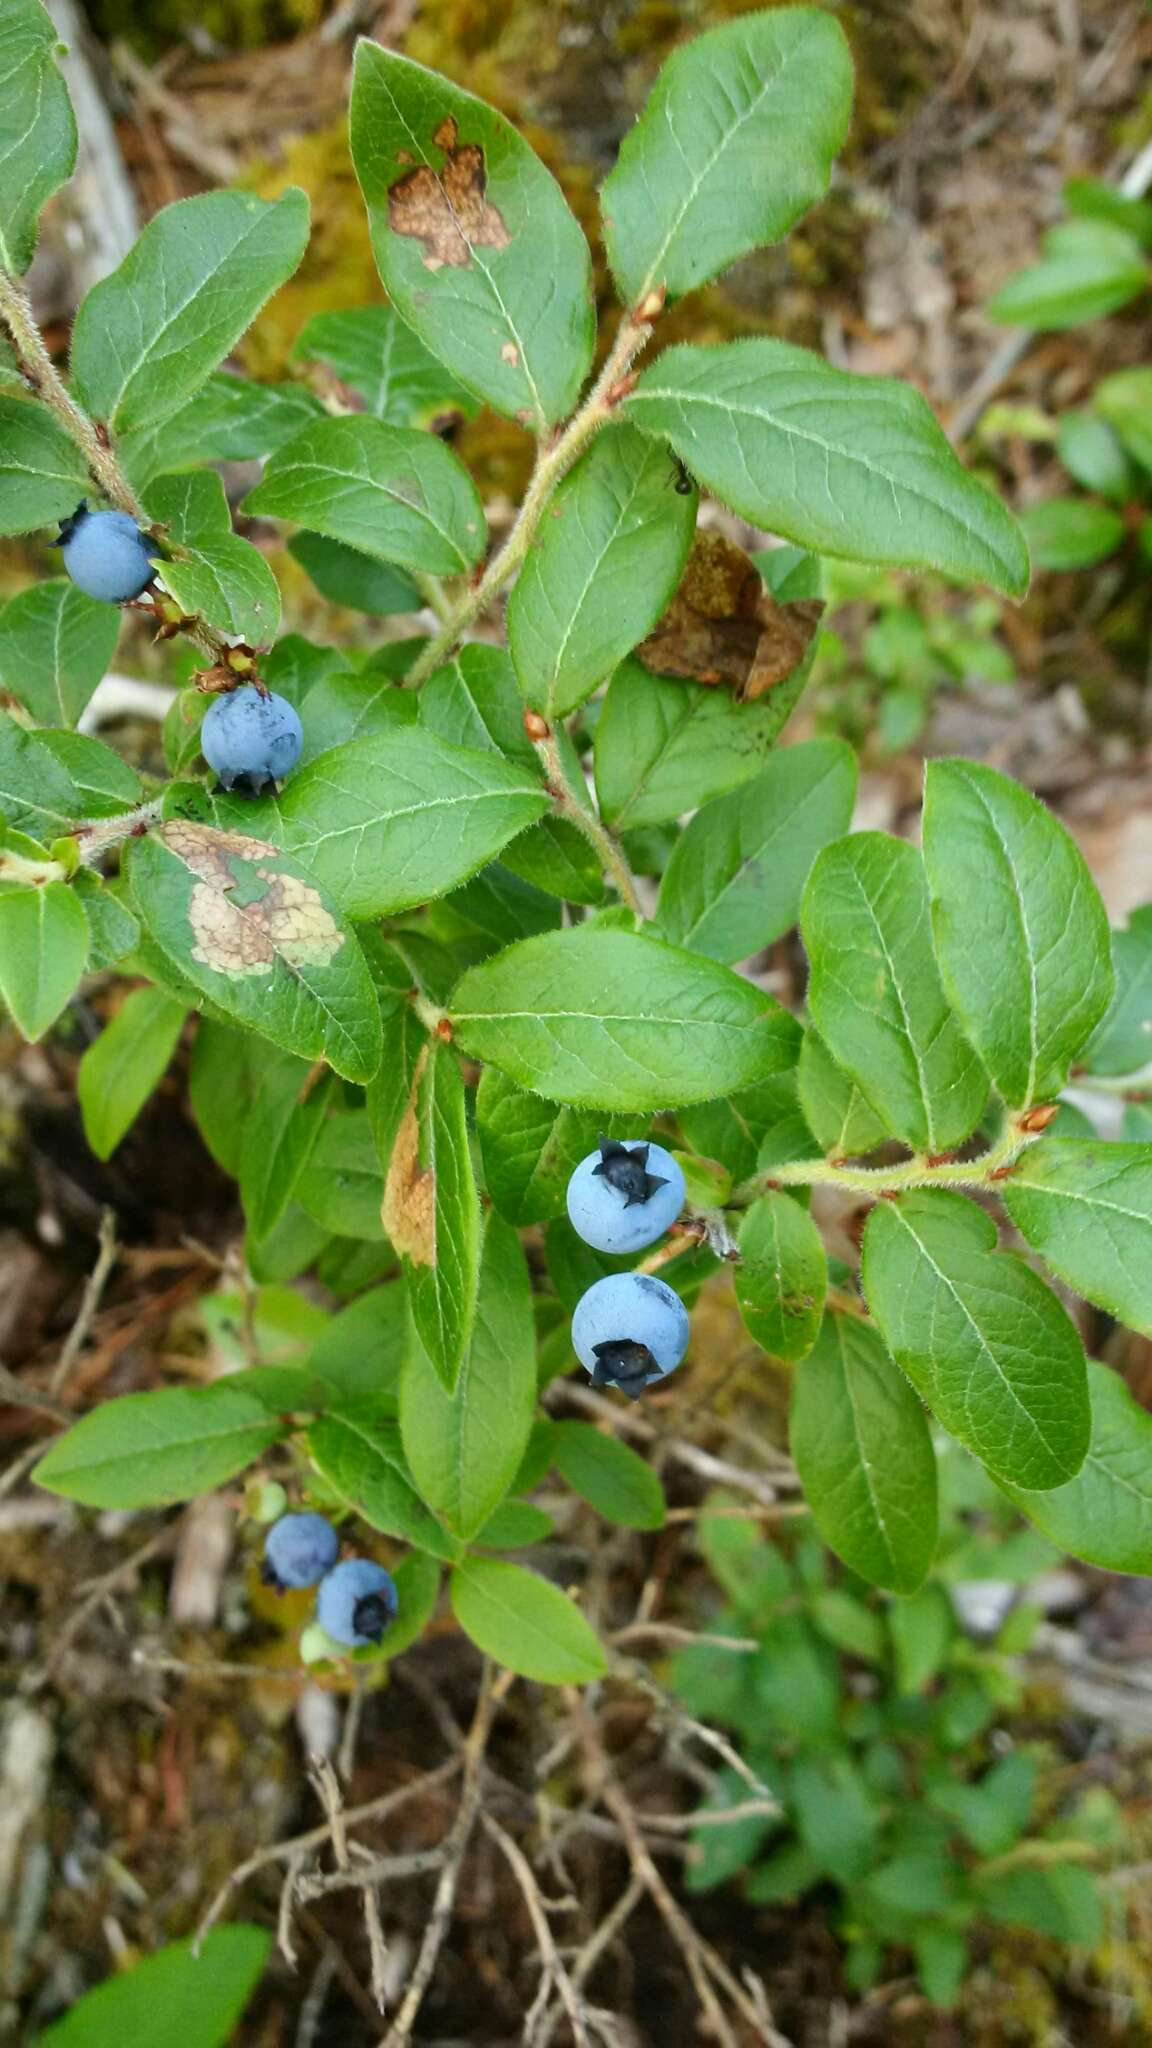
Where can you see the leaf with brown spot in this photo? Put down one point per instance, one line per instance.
(248, 927)
(431, 1210)
(408, 1211)
(724, 628)
(447, 209)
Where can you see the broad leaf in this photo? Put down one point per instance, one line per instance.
(251, 930)
(493, 909)
(782, 1277)
(43, 475)
(465, 1445)
(1089, 268)
(530, 1147)
(1021, 934)
(398, 495)
(733, 1128)
(347, 576)
(1060, 1900)
(379, 357)
(354, 707)
(43, 953)
(620, 1485)
(357, 1448)
(1104, 1514)
(201, 1990)
(55, 645)
(734, 881)
(342, 1183)
(1092, 452)
(861, 1445)
(146, 1450)
(280, 1131)
(48, 780)
(610, 1020)
(118, 1073)
(113, 931)
(150, 335)
(363, 1349)
(102, 781)
(1122, 1042)
(37, 128)
(1123, 400)
(1086, 1207)
(400, 818)
(605, 563)
(472, 237)
(982, 1339)
(875, 994)
(847, 465)
(525, 1623)
(229, 419)
(211, 570)
(223, 1077)
(835, 1108)
(735, 142)
(1071, 533)
(431, 1210)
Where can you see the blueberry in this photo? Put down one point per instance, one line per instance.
(251, 739)
(106, 554)
(298, 1550)
(630, 1330)
(625, 1196)
(356, 1602)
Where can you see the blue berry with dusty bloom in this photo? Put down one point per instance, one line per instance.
(251, 739)
(625, 1196)
(298, 1550)
(106, 555)
(630, 1330)
(356, 1603)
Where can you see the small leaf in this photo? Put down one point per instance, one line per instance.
(848, 465)
(346, 576)
(1089, 268)
(736, 874)
(837, 1111)
(606, 561)
(875, 994)
(43, 953)
(472, 238)
(982, 1339)
(782, 1279)
(146, 1450)
(864, 1454)
(525, 1623)
(377, 355)
(732, 1128)
(212, 571)
(201, 1990)
(1060, 1900)
(1104, 1514)
(342, 1184)
(362, 1350)
(280, 1131)
(1123, 400)
(1071, 533)
(922, 1628)
(112, 929)
(229, 419)
(734, 144)
(1086, 1207)
(431, 1211)
(1021, 934)
(530, 1147)
(55, 645)
(357, 1449)
(1122, 1041)
(118, 1073)
(43, 475)
(613, 1479)
(617, 1021)
(397, 495)
(354, 707)
(37, 127)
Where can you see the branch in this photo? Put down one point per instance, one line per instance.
(90, 1301)
(991, 1166)
(587, 822)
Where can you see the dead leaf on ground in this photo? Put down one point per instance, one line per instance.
(447, 209)
(724, 628)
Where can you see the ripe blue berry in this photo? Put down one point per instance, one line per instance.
(298, 1550)
(623, 1197)
(106, 554)
(630, 1330)
(356, 1602)
(251, 739)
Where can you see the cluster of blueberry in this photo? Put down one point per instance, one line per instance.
(357, 1598)
(629, 1329)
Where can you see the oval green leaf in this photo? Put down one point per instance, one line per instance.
(782, 1277)
(525, 1623)
(147, 1450)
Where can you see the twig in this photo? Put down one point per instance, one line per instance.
(89, 1303)
(371, 1870)
(14, 1392)
(19, 1468)
(327, 1786)
(991, 1166)
(213, 1667)
(587, 822)
(595, 1946)
(284, 1937)
(667, 1632)
(553, 1968)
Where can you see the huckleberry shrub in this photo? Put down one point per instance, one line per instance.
(496, 911)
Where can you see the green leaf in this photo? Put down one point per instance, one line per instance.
(732, 1128)
(1091, 452)
(354, 707)
(941, 1964)
(983, 1340)
(146, 1450)
(37, 127)
(201, 1990)
(530, 1148)
(431, 1210)
(1089, 268)
(875, 994)
(722, 1852)
(1086, 1207)
(211, 570)
(149, 336)
(280, 1131)
(357, 1449)
(43, 475)
(55, 645)
(396, 494)
(605, 563)
(347, 576)
(250, 929)
(230, 419)
(1123, 399)
(863, 1450)
(922, 1627)
(515, 1524)
(223, 1078)
(835, 1108)
(1060, 1900)
(992, 1815)
(118, 1073)
(376, 354)
(835, 1816)
(1122, 1041)
(1104, 1514)
(613, 1479)
(362, 1350)
(1071, 533)
(847, 1622)
(525, 1623)
(848, 465)
(665, 747)
(1095, 199)
(102, 783)
(342, 1183)
(505, 302)
(43, 953)
(465, 1444)
(1021, 934)
(735, 143)
(490, 911)
(611, 1020)
(782, 1277)
(397, 819)
(112, 930)
(734, 881)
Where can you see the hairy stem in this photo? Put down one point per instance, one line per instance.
(593, 828)
(96, 838)
(551, 465)
(984, 1171)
